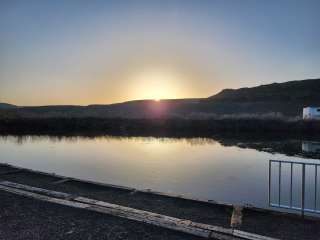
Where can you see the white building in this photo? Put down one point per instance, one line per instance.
(311, 147)
(311, 113)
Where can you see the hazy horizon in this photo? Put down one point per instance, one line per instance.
(133, 100)
(103, 52)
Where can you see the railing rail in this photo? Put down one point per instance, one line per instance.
(278, 203)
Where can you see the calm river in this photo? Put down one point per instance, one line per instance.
(226, 171)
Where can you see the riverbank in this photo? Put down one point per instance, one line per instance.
(262, 222)
(158, 127)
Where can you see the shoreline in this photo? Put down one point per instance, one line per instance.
(158, 127)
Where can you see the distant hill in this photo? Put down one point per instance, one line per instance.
(286, 98)
(7, 106)
(305, 91)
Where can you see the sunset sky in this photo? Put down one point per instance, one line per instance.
(86, 52)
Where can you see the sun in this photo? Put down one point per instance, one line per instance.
(155, 84)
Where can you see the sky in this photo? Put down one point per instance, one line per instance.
(99, 52)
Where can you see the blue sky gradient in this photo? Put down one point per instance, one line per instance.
(83, 52)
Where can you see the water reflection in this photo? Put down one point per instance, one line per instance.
(225, 169)
(289, 147)
(22, 139)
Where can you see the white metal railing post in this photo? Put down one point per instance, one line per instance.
(303, 190)
(303, 193)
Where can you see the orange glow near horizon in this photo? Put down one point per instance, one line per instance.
(157, 84)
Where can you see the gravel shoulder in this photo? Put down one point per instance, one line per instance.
(23, 219)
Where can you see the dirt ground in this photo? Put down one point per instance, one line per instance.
(23, 219)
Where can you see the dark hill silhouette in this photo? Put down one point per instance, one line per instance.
(303, 91)
(287, 98)
(6, 106)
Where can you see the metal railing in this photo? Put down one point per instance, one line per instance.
(303, 192)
